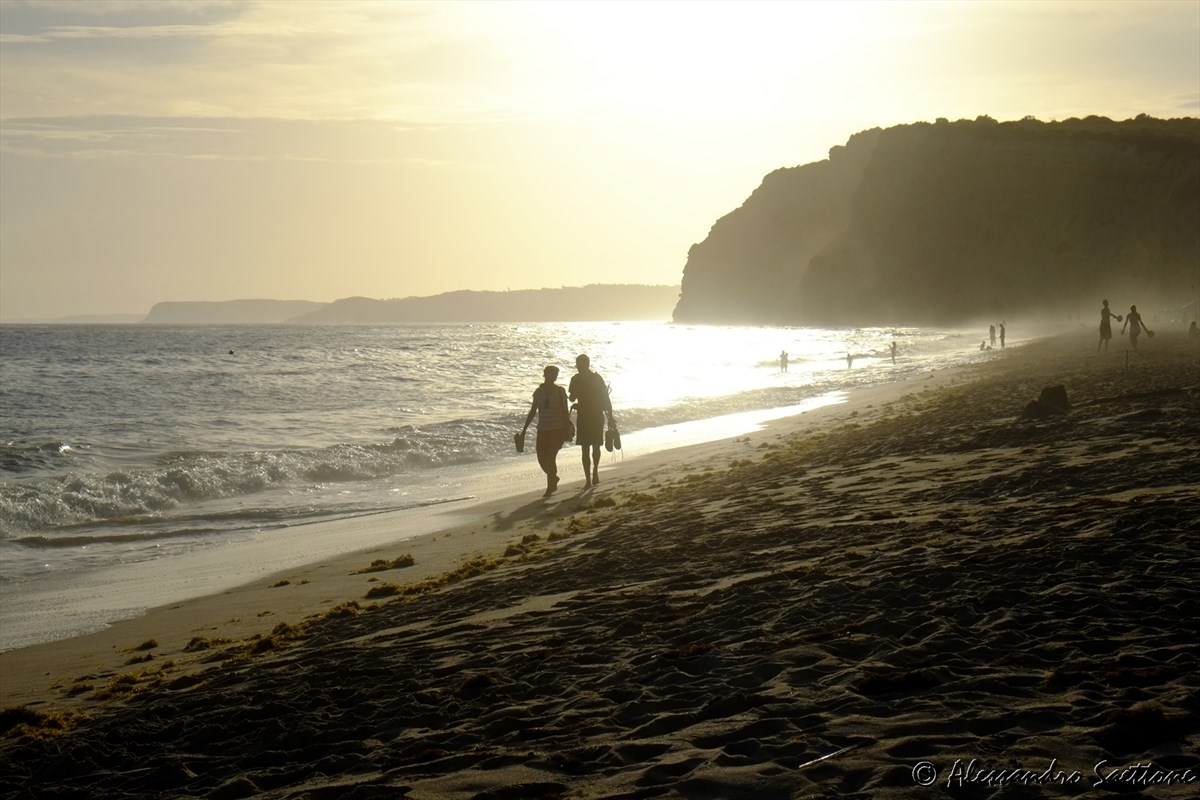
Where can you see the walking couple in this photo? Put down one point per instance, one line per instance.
(589, 393)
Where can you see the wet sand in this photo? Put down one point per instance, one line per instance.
(921, 585)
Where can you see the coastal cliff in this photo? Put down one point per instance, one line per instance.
(939, 223)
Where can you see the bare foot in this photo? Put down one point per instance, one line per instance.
(595, 478)
(587, 484)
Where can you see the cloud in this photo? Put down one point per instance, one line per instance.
(44, 21)
(68, 32)
(670, 64)
(1189, 104)
(357, 142)
(298, 60)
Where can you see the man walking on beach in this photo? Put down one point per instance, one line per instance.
(590, 394)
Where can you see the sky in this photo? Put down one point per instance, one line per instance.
(312, 150)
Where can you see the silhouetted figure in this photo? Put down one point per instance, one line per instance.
(783, 361)
(1001, 335)
(589, 392)
(1134, 321)
(992, 334)
(849, 360)
(553, 425)
(1106, 326)
(982, 345)
(1193, 331)
(893, 352)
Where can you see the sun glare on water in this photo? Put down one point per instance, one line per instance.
(655, 365)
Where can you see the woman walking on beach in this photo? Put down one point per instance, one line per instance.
(1106, 326)
(590, 393)
(553, 425)
(1134, 320)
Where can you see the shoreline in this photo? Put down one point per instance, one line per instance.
(42, 602)
(87, 601)
(77, 586)
(919, 577)
(467, 529)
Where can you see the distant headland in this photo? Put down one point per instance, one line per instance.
(595, 302)
(947, 222)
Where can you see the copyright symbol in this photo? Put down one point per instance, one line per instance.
(924, 773)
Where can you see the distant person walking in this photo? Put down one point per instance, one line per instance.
(1106, 317)
(893, 352)
(1134, 321)
(992, 334)
(553, 425)
(783, 360)
(589, 392)
(1001, 335)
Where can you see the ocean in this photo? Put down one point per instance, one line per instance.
(143, 445)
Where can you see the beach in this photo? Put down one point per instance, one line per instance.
(929, 590)
(138, 469)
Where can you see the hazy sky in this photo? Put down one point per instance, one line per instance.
(303, 149)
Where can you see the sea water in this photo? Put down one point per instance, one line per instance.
(142, 444)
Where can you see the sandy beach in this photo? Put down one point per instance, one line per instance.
(931, 590)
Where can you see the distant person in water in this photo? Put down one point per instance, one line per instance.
(1106, 317)
(589, 392)
(893, 352)
(1134, 321)
(992, 334)
(553, 425)
(1001, 335)
(783, 361)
